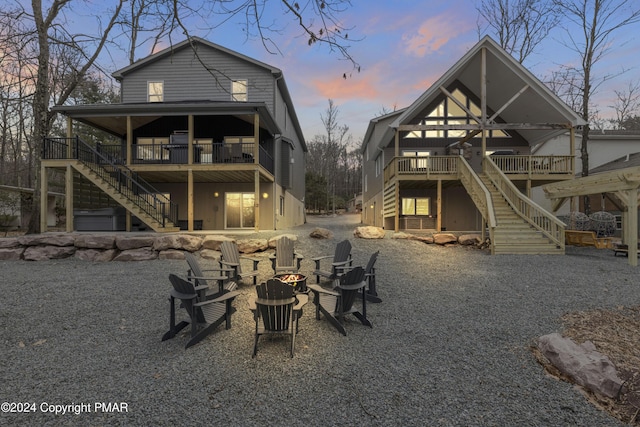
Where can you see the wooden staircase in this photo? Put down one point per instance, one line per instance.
(131, 202)
(512, 234)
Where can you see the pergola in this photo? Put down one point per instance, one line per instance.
(620, 186)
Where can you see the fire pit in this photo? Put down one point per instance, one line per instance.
(298, 281)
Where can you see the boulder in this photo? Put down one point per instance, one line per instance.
(96, 255)
(11, 254)
(9, 242)
(40, 253)
(95, 241)
(444, 238)
(210, 254)
(141, 254)
(321, 233)
(171, 254)
(470, 239)
(273, 240)
(184, 242)
(423, 239)
(47, 239)
(582, 363)
(214, 242)
(369, 232)
(249, 246)
(124, 243)
(402, 235)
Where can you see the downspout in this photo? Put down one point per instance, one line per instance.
(277, 141)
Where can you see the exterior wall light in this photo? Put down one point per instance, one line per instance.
(265, 195)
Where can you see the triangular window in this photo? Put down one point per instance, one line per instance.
(450, 113)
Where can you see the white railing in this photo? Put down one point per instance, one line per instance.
(526, 208)
(479, 194)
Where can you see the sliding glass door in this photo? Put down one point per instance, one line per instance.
(240, 210)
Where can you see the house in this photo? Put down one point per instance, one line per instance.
(208, 139)
(459, 158)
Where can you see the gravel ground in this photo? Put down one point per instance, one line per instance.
(449, 344)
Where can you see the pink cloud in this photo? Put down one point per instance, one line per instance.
(430, 36)
(359, 86)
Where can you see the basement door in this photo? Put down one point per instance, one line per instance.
(240, 212)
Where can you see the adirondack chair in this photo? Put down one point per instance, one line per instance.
(337, 303)
(276, 311)
(341, 262)
(205, 315)
(231, 258)
(285, 259)
(370, 276)
(206, 277)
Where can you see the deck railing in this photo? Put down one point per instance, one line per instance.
(202, 153)
(555, 166)
(526, 208)
(423, 166)
(119, 177)
(479, 194)
(534, 165)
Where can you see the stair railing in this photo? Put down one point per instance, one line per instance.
(118, 176)
(526, 208)
(479, 194)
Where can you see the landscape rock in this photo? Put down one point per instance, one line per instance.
(402, 235)
(321, 233)
(184, 242)
(214, 242)
(423, 239)
(210, 254)
(141, 254)
(444, 238)
(47, 239)
(171, 254)
(41, 253)
(249, 246)
(369, 232)
(586, 366)
(11, 254)
(96, 255)
(95, 241)
(470, 239)
(124, 243)
(9, 242)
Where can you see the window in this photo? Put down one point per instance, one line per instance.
(239, 90)
(417, 164)
(282, 205)
(379, 163)
(416, 206)
(450, 113)
(155, 91)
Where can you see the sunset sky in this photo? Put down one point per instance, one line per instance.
(403, 46)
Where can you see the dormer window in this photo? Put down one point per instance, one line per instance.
(155, 91)
(239, 90)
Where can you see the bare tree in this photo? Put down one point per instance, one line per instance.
(590, 36)
(144, 21)
(626, 105)
(519, 25)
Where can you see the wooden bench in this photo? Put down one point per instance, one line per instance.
(587, 238)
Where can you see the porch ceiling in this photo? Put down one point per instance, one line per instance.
(112, 118)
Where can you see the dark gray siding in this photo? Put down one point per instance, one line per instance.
(185, 78)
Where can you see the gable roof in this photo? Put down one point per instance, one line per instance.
(628, 161)
(189, 43)
(505, 79)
